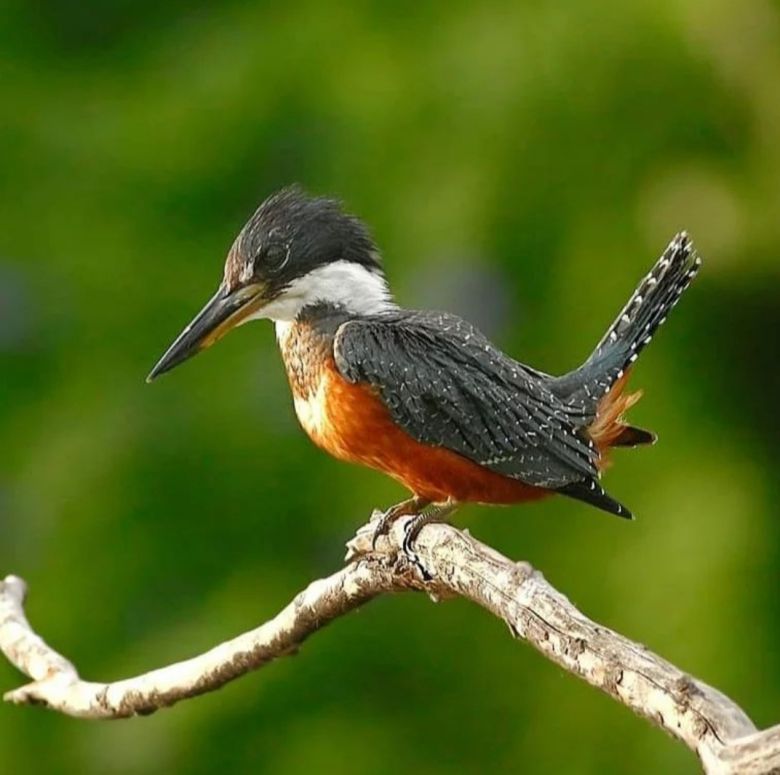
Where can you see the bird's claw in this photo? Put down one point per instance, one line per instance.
(422, 513)
(407, 547)
(383, 525)
(436, 512)
(388, 518)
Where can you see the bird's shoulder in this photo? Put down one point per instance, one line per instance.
(424, 339)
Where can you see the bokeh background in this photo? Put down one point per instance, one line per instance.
(522, 164)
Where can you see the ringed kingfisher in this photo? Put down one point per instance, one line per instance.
(424, 396)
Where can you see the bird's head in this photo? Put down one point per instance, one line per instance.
(294, 252)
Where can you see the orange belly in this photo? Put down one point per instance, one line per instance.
(351, 423)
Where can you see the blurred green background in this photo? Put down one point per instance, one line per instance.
(522, 164)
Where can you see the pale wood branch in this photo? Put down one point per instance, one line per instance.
(706, 721)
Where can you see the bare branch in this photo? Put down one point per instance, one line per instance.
(753, 755)
(56, 683)
(710, 724)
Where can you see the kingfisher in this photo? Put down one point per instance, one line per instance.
(424, 396)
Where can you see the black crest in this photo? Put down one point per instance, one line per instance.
(292, 233)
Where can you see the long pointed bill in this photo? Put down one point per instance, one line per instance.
(224, 311)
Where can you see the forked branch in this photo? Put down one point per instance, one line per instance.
(710, 724)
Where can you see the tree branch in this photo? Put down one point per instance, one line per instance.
(710, 724)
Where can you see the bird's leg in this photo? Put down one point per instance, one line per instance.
(434, 512)
(413, 505)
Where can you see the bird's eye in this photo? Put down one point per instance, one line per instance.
(275, 256)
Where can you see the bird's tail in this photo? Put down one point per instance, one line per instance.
(594, 391)
(630, 333)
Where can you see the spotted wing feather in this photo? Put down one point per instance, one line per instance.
(448, 386)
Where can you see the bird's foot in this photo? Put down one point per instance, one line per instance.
(434, 512)
(422, 513)
(412, 506)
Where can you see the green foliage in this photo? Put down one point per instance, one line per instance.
(521, 163)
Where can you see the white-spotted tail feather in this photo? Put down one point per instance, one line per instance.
(635, 326)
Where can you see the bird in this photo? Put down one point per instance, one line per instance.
(423, 396)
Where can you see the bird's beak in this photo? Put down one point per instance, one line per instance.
(225, 310)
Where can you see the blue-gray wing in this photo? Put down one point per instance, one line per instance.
(446, 385)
